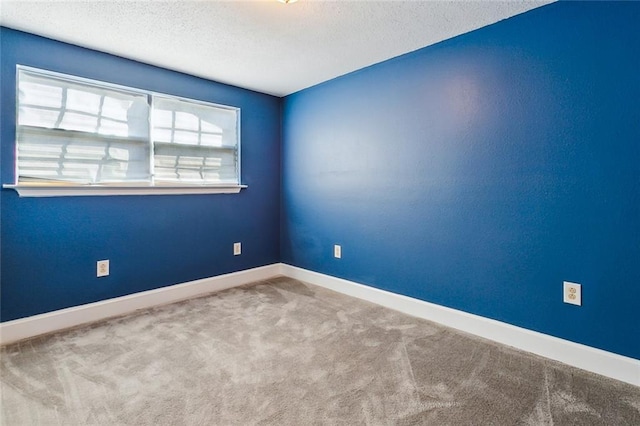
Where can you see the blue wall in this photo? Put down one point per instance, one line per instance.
(50, 246)
(483, 171)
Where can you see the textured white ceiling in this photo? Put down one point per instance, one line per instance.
(262, 45)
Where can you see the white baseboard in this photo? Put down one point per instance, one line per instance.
(585, 357)
(577, 355)
(23, 328)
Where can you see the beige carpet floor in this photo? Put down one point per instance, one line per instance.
(282, 352)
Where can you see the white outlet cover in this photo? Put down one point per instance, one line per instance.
(237, 249)
(572, 293)
(337, 251)
(102, 268)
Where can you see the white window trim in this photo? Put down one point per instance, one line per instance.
(53, 190)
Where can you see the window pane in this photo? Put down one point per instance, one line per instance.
(189, 138)
(30, 116)
(83, 100)
(72, 131)
(115, 109)
(112, 127)
(194, 143)
(209, 139)
(81, 122)
(44, 95)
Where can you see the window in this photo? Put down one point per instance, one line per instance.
(193, 142)
(78, 132)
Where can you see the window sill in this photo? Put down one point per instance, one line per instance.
(26, 190)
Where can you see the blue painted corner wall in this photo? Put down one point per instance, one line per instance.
(482, 172)
(50, 246)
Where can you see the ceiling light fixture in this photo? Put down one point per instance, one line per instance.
(287, 1)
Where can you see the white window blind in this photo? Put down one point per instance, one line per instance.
(194, 143)
(78, 131)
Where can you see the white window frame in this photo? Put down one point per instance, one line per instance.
(57, 188)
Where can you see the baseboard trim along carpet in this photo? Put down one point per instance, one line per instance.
(581, 356)
(577, 355)
(23, 328)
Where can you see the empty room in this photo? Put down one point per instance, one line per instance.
(278, 212)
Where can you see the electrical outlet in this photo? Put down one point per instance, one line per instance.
(572, 293)
(103, 268)
(237, 249)
(337, 251)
